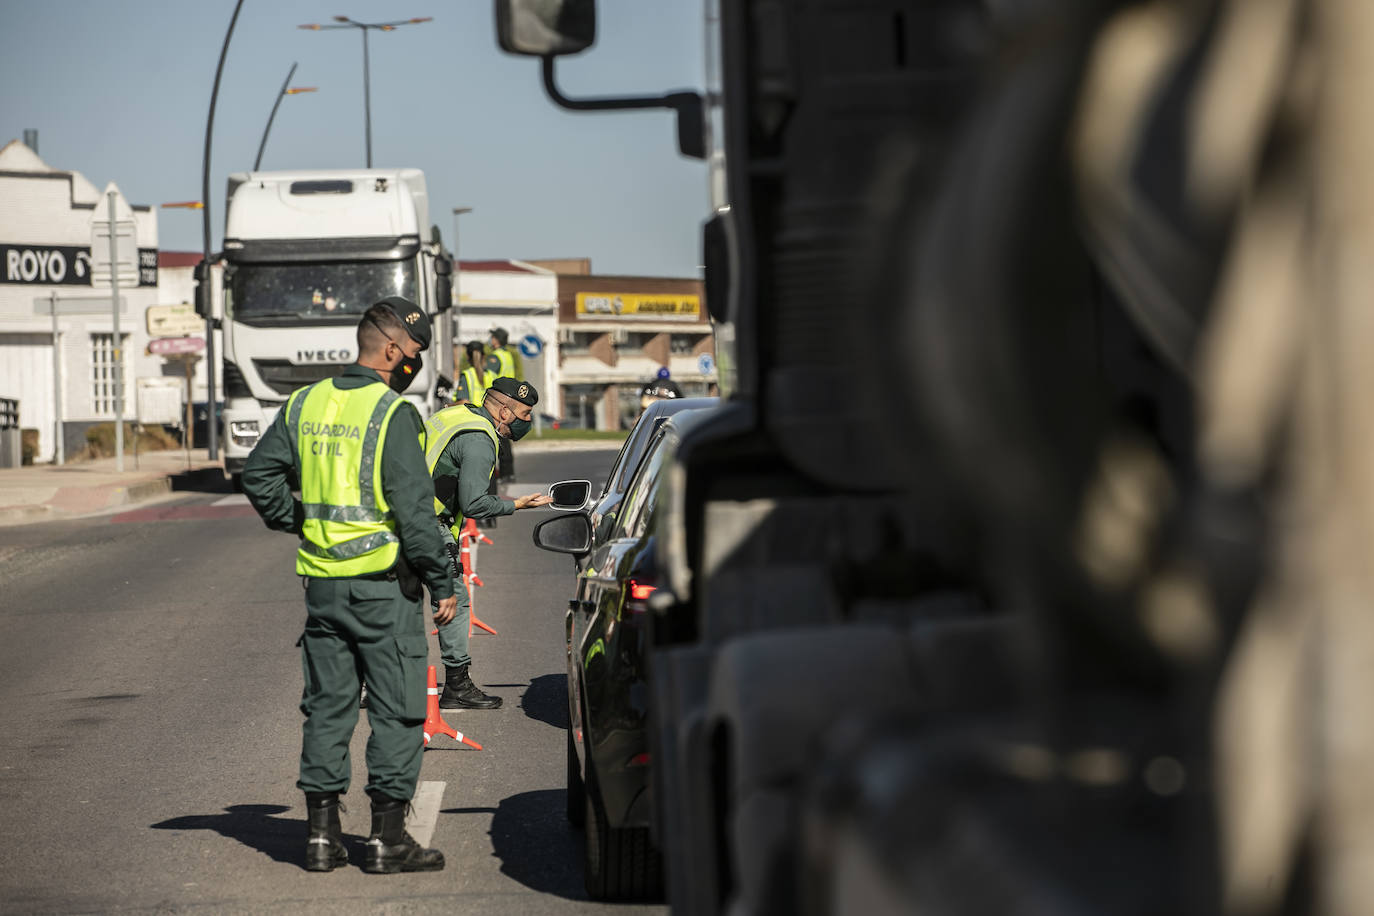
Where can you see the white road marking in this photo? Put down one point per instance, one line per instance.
(238, 499)
(424, 811)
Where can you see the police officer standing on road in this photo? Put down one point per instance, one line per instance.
(505, 363)
(366, 525)
(461, 454)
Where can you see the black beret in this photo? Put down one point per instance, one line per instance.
(523, 392)
(411, 317)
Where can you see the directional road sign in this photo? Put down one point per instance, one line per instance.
(170, 346)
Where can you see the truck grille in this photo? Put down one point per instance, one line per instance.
(284, 377)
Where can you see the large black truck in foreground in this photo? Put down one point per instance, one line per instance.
(1025, 568)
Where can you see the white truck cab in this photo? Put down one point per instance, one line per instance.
(306, 254)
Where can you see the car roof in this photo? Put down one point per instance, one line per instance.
(671, 406)
(686, 420)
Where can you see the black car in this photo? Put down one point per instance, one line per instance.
(603, 509)
(606, 630)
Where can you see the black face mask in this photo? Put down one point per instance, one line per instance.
(405, 372)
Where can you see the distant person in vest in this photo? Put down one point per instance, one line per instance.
(505, 362)
(473, 383)
(474, 380)
(461, 444)
(367, 539)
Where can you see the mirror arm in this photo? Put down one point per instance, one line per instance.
(690, 141)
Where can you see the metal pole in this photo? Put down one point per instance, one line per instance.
(60, 454)
(212, 439)
(118, 343)
(275, 105)
(367, 99)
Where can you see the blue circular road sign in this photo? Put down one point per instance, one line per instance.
(531, 346)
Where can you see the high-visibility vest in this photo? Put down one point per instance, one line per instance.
(337, 435)
(440, 429)
(477, 387)
(505, 361)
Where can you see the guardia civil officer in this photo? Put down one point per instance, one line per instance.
(474, 381)
(367, 539)
(461, 453)
(504, 361)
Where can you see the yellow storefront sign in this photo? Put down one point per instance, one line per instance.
(634, 305)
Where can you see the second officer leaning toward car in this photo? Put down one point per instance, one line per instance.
(461, 448)
(367, 538)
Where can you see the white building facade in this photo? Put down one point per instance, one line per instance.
(523, 299)
(66, 367)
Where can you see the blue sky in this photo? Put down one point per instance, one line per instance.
(118, 90)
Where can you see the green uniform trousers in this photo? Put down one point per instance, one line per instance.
(359, 629)
(453, 636)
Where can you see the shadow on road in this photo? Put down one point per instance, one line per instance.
(536, 846)
(280, 838)
(201, 480)
(546, 700)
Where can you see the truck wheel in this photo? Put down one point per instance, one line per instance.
(619, 864)
(236, 481)
(577, 793)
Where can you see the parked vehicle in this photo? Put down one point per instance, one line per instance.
(306, 254)
(607, 635)
(974, 595)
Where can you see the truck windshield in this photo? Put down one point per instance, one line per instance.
(325, 290)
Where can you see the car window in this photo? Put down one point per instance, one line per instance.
(630, 455)
(643, 490)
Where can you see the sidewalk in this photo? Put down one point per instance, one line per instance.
(41, 492)
(44, 491)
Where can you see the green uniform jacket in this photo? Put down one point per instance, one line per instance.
(470, 458)
(271, 468)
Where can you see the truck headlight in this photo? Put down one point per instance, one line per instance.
(244, 432)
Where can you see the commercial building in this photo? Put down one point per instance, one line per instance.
(616, 334)
(62, 367)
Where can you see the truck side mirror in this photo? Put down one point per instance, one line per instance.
(541, 28)
(204, 290)
(443, 283)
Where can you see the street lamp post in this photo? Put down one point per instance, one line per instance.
(457, 264)
(213, 435)
(293, 90)
(345, 23)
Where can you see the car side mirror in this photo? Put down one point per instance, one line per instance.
(545, 27)
(565, 534)
(570, 495)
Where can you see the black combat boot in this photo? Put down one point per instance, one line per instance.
(390, 848)
(461, 693)
(324, 850)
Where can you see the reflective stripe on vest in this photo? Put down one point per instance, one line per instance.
(477, 388)
(505, 361)
(440, 429)
(337, 435)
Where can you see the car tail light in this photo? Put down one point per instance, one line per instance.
(638, 760)
(639, 592)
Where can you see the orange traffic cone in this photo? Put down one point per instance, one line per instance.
(434, 723)
(467, 553)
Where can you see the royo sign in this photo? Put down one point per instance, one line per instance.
(62, 265)
(47, 264)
